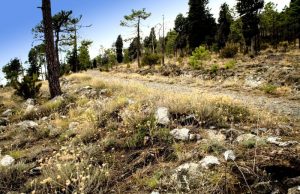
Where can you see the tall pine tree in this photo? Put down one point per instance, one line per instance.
(202, 25)
(248, 10)
(119, 49)
(224, 22)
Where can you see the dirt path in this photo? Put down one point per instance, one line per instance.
(278, 106)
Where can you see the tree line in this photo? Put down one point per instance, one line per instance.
(250, 26)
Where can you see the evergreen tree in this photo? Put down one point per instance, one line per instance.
(33, 60)
(248, 10)
(119, 49)
(150, 42)
(12, 71)
(171, 42)
(224, 22)
(202, 25)
(134, 20)
(294, 13)
(181, 27)
(133, 49)
(84, 55)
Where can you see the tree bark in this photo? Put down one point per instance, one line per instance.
(139, 43)
(253, 46)
(52, 61)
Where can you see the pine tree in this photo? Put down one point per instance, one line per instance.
(12, 71)
(248, 10)
(202, 25)
(134, 20)
(150, 41)
(225, 20)
(52, 60)
(294, 13)
(33, 60)
(181, 27)
(84, 55)
(119, 49)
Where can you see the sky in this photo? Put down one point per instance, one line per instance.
(18, 17)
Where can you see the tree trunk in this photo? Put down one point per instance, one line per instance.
(56, 47)
(253, 46)
(52, 61)
(139, 43)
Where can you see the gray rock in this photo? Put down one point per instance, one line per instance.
(215, 136)
(7, 113)
(28, 102)
(194, 137)
(154, 192)
(7, 160)
(277, 141)
(209, 161)
(229, 155)
(24, 125)
(73, 125)
(184, 174)
(294, 190)
(162, 116)
(247, 137)
(181, 134)
(263, 188)
(253, 82)
(30, 108)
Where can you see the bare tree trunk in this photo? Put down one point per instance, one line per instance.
(52, 61)
(139, 43)
(56, 47)
(253, 46)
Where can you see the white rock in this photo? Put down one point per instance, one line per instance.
(29, 101)
(194, 137)
(246, 137)
(162, 116)
(27, 125)
(29, 109)
(215, 136)
(154, 192)
(181, 134)
(209, 161)
(73, 125)
(253, 83)
(229, 155)
(7, 113)
(277, 141)
(7, 161)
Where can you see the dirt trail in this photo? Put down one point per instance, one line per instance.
(278, 106)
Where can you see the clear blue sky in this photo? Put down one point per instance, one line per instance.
(18, 17)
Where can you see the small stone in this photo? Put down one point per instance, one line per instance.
(209, 161)
(181, 134)
(154, 192)
(7, 160)
(215, 136)
(7, 113)
(27, 125)
(73, 125)
(246, 137)
(277, 141)
(29, 109)
(229, 155)
(162, 116)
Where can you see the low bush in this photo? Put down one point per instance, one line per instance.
(198, 56)
(230, 64)
(269, 89)
(229, 51)
(150, 59)
(214, 68)
(28, 87)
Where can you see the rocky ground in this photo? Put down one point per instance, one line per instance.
(128, 131)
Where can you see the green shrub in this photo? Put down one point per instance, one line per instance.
(269, 88)
(180, 61)
(214, 68)
(284, 45)
(150, 59)
(198, 56)
(28, 87)
(230, 64)
(229, 51)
